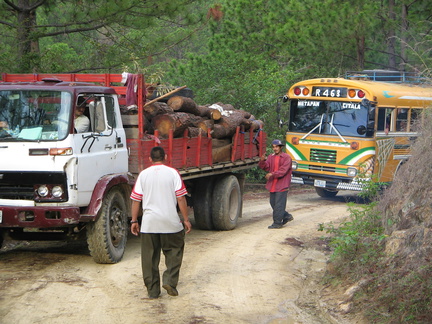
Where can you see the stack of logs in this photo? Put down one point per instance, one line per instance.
(182, 113)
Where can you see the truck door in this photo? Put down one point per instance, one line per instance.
(102, 150)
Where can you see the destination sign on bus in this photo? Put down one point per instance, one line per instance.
(332, 92)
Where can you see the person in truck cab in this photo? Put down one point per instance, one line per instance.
(4, 129)
(81, 121)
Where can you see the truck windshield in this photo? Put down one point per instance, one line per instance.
(328, 117)
(34, 115)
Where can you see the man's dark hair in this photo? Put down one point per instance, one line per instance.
(157, 154)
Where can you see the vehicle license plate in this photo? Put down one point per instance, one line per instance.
(320, 183)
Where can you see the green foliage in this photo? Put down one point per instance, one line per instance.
(116, 30)
(358, 240)
(60, 57)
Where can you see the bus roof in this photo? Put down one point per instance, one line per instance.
(384, 94)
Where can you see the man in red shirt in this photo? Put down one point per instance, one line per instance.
(279, 168)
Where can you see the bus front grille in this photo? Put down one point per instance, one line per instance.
(321, 168)
(323, 156)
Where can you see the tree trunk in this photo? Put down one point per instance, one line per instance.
(404, 37)
(391, 40)
(177, 122)
(222, 154)
(226, 126)
(183, 104)
(195, 132)
(220, 142)
(157, 108)
(27, 45)
(210, 113)
(229, 108)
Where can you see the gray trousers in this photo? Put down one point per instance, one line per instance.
(278, 202)
(172, 246)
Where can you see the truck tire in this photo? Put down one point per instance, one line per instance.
(202, 203)
(226, 203)
(325, 193)
(106, 238)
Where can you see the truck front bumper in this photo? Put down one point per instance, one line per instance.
(38, 216)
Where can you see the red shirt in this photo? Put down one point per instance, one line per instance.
(280, 166)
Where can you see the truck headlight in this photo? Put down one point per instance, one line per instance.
(43, 191)
(352, 172)
(294, 165)
(57, 191)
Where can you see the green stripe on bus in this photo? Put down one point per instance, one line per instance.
(295, 152)
(354, 155)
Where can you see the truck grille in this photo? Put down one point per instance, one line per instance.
(20, 185)
(323, 156)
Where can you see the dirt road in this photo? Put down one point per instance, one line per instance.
(248, 275)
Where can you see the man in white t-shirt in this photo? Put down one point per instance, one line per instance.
(81, 121)
(160, 188)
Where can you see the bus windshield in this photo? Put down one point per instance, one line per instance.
(328, 117)
(34, 115)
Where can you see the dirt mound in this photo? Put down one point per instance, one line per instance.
(407, 219)
(394, 284)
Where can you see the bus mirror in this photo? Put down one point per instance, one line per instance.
(365, 103)
(361, 130)
(285, 98)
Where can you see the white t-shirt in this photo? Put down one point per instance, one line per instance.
(158, 187)
(82, 124)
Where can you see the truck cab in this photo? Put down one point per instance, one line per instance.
(53, 177)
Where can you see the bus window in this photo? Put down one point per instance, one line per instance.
(402, 120)
(414, 119)
(384, 119)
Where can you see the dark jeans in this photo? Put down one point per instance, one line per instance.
(172, 246)
(278, 202)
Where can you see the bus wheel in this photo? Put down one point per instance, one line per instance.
(202, 203)
(226, 203)
(326, 193)
(107, 236)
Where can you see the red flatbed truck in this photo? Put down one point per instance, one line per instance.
(56, 183)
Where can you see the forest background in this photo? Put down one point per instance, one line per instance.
(246, 53)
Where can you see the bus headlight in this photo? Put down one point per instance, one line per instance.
(57, 191)
(43, 191)
(351, 172)
(294, 165)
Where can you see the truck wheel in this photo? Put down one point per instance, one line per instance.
(202, 204)
(226, 203)
(107, 236)
(325, 193)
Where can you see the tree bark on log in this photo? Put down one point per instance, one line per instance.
(226, 126)
(222, 153)
(210, 113)
(229, 108)
(216, 142)
(157, 108)
(195, 132)
(183, 104)
(177, 122)
(255, 123)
